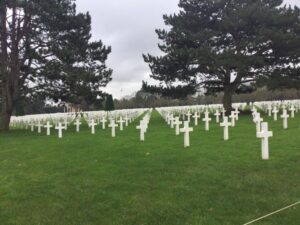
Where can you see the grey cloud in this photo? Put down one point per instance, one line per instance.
(128, 26)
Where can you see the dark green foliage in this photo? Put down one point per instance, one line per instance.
(212, 42)
(178, 91)
(281, 80)
(46, 52)
(109, 103)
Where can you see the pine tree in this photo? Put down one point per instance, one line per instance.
(109, 103)
(221, 45)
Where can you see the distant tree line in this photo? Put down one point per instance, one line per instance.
(146, 100)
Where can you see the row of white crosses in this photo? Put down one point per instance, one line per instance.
(116, 120)
(61, 121)
(274, 108)
(261, 128)
(233, 116)
(174, 121)
(143, 126)
(262, 132)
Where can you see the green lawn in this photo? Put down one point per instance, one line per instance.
(86, 179)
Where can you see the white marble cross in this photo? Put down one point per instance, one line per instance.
(217, 114)
(264, 134)
(39, 126)
(275, 112)
(237, 112)
(48, 126)
(92, 125)
(283, 107)
(223, 112)
(254, 111)
(126, 120)
(177, 123)
(113, 126)
(168, 118)
(232, 117)
(66, 124)
(292, 109)
(142, 127)
(196, 116)
(32, 126)
(285, 117)
(206, 119)
(188, 115)
(172, 121)
(103, 121)
(257, 120)
(269, 110)
(121, 122)
(77, 124)
(60, 128)
(146, 120)
(225, 124)
(186, 130)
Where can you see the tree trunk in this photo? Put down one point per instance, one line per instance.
(227, 99)
(5, 120)
(7, 105)
(6, 111)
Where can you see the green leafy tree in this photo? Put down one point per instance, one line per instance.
(222, 45)
(45, 50)
(109, 103)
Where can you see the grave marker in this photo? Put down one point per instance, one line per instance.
(92, 125)
(264, 134)
(226, 125)
(48, 126)
(113, 126)
(285, 117)
(186, 130)
(275, 112)
(77, 124)
(60, 128)
(196, 116)
(206, 119)
(177, 123)
(217, 114)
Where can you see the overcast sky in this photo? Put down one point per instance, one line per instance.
(128, 26)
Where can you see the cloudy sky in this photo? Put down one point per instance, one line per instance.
(129, 27)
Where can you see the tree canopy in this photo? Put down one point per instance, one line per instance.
(221, 45)
(45, 50)
(109, 103)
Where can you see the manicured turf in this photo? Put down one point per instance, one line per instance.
(86, 179)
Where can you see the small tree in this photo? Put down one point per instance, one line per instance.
(109, 103)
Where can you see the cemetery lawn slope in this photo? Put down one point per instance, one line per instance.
(85, 179)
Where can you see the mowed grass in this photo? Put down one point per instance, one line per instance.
(86, 179)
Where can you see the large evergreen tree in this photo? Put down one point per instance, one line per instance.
(220, 45)
(45, 50)
(109, 103)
